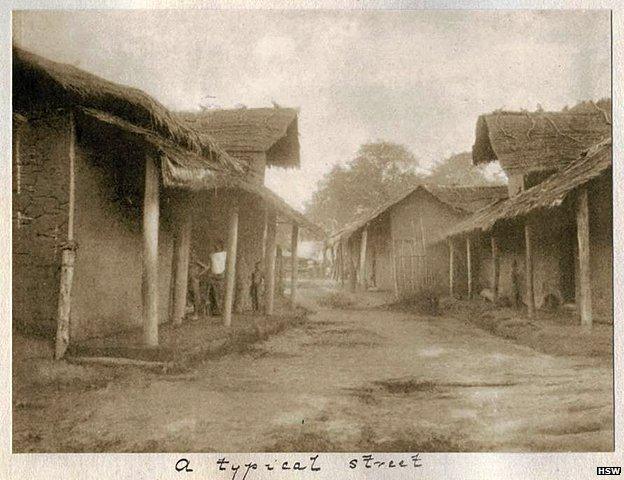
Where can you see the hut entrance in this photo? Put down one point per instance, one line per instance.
(410, 265)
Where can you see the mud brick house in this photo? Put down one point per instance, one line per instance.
(258, 138)
(388, 248)
(92, 217)
(550, 244)
(105, 183)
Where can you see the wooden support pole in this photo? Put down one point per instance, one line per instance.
(469, 265)
(362, 266)
(451, 268)
(324, 260)
(68, 254)
(181, 251)
(230, 265)
(151, 214)
(270, 263)
(530, 288)
(279, 260)
(495, 268)
(265, 231)
(582, 233)
(394, 268)
(294, 244)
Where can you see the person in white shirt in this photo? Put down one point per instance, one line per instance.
(215, 279)
(196, 271)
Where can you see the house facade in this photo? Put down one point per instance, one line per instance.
(106, 184)
(388, 249)
(550, 245)
(83, 149)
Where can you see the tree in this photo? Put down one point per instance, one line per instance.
(377, 174)
(459, 170)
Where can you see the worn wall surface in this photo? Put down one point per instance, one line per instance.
(416, 219)
(556, 253)
(601, 246)
(106, 293)
(40, 199)
(379, 255)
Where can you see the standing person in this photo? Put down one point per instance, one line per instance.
(257, 282)
(216, 277)
(196, 270)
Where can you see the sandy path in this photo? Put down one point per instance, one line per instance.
(361, 380)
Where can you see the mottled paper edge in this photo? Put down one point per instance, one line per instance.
(333, 466)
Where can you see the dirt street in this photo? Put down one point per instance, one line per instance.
(347, 380)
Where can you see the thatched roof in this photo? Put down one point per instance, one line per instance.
(525, 142)
(548, 194)
(464, 199)
(41, 83)
(245, 131)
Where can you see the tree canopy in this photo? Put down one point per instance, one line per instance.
(377, 174)
(378, 171)
(459, 170)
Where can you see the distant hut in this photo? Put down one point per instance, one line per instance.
(94, 216)
(387, 249)
(550, 244)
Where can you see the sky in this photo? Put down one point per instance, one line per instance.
(418, 78)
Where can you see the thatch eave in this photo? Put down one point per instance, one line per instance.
(273, 132)
(551, 193)
(40, 83)
(525, 142)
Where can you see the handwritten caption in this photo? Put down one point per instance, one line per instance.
(245, 471)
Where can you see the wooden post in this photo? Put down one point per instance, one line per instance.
(362, 267)
(270, 263)
(469, 265)
(265, 231)
(451, 268)
(582, 233)
(294, 243)
(230, 266)
(151, 214)
(68, 254)
(324, 260)
(495, 268)
(279, 260)
(530, 290)
(405, 268)
(181, 251)
(394, 267)
(343, 260)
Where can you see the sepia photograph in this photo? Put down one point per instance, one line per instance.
(312, 231)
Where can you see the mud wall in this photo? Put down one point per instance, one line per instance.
(40, 202)
(379, 255)
(421, 208)
(554, 239)
(106, 293)
(601, 246)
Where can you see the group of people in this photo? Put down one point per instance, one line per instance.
(207, 283)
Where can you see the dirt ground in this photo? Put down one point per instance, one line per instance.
(356, 378)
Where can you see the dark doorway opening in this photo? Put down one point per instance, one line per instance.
(567, 264)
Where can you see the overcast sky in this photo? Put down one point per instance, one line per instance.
(419, 78)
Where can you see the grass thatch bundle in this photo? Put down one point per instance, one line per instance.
(244, 131)
(41, 84)
(540, 141)
(550, 193)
